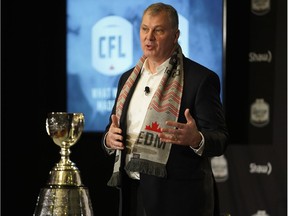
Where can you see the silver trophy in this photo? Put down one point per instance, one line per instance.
(64, 193)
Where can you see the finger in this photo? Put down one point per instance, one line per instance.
(188, 116)
(114, 139)
(175, 137)
(168, 137)
(117, 145)
(173, 124)
(114, 120)
(168, 130)
(114, 130)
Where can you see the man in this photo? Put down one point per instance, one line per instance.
(166, 124)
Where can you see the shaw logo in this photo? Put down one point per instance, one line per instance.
(261, 169)
(260, 57)
(112, 45)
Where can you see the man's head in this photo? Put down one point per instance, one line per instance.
(159, 31)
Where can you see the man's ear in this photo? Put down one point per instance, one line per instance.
(177, 34)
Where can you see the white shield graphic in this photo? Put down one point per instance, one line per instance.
(112, 42)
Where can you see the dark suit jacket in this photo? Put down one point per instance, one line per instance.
(189, 188)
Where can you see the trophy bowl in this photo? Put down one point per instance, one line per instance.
(64, 128)
(64, 193)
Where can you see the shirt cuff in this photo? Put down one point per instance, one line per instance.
(108, 150)
(200, 148)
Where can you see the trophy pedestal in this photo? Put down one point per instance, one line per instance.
(63, 200)
(64, 194)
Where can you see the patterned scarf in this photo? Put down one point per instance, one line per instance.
(149, 155)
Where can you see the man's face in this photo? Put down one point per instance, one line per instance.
(157, 37)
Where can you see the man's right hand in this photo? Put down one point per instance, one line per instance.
(114, 138)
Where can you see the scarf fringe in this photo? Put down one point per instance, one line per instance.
(146, 167)
(115, 180)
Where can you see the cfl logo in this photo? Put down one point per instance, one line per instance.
(112, 45)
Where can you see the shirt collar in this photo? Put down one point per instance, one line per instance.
(159, 69)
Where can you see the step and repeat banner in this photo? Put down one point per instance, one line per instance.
(252, 175)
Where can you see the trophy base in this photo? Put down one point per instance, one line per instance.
(63, 200)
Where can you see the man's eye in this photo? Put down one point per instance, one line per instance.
(159, 31)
